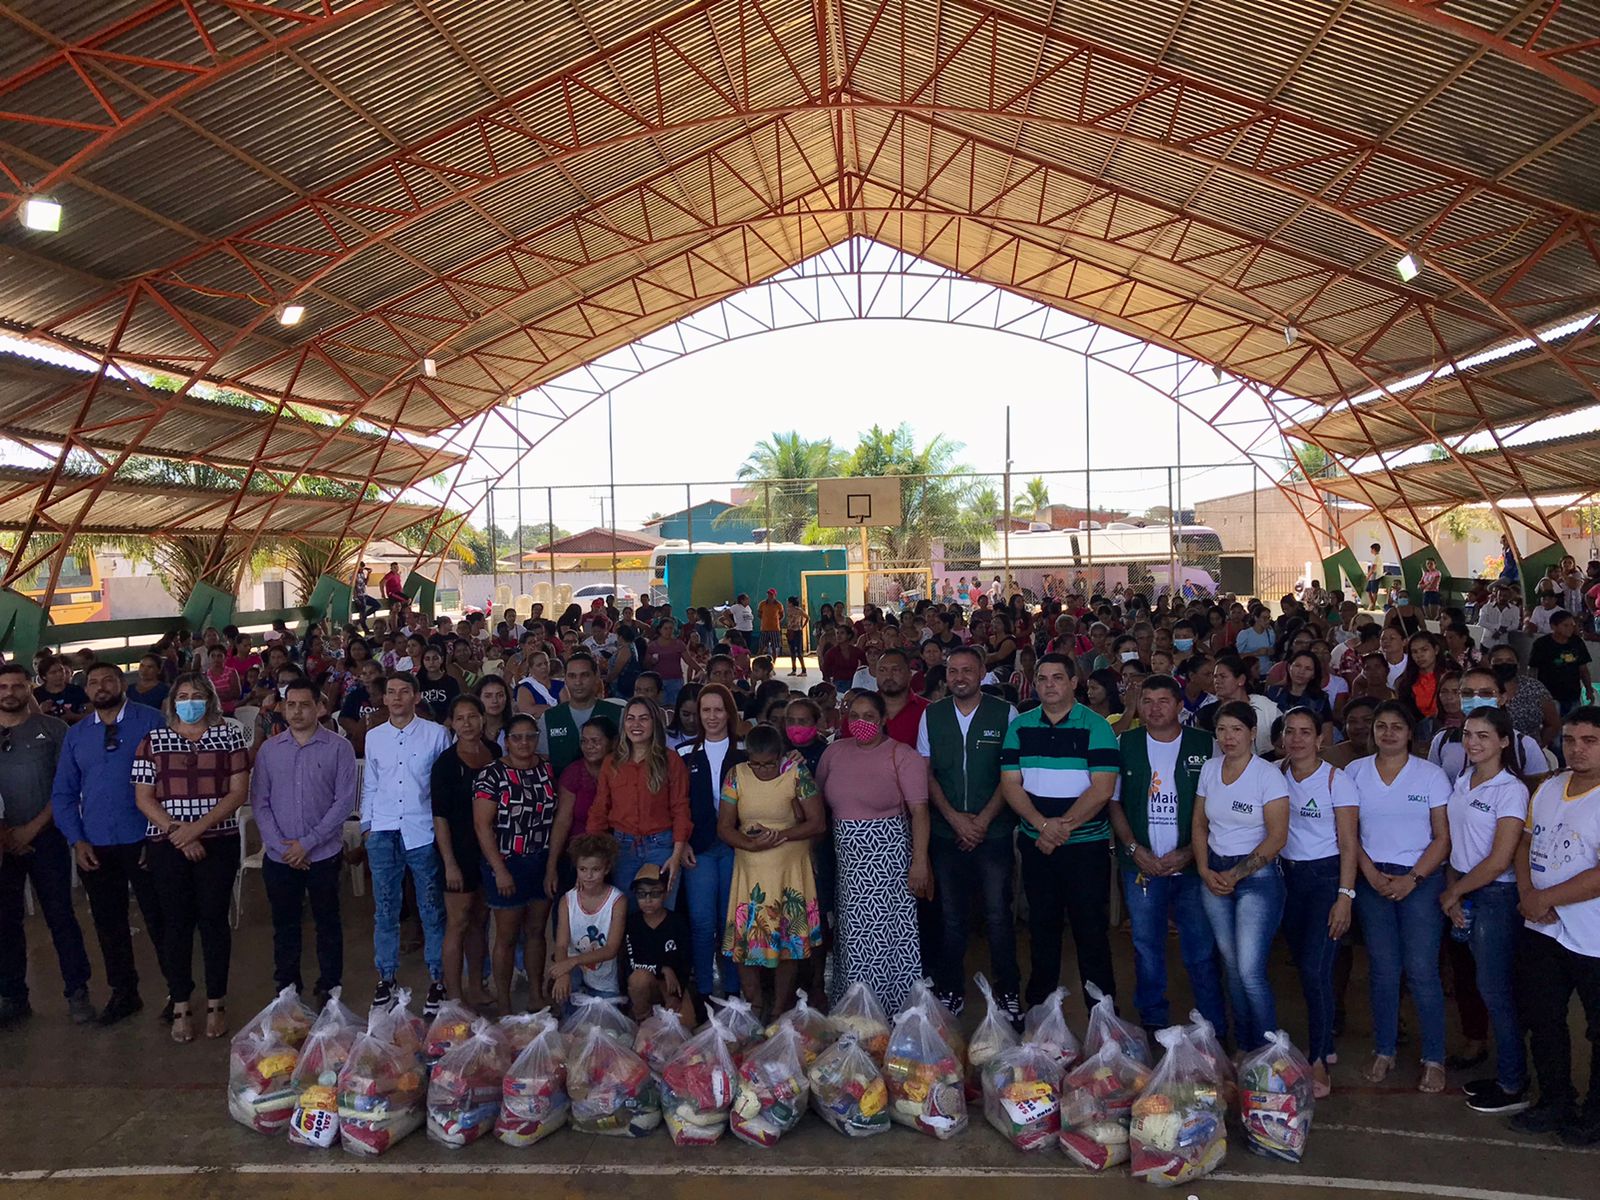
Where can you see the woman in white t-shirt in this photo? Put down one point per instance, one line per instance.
(1319, 876)
(1487, 811)
(1241, 821)
(1405, 838)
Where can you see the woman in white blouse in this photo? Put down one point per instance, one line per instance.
(1241, 821)
(1405, 838)
(1487, 811)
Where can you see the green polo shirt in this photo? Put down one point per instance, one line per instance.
(1057, 760)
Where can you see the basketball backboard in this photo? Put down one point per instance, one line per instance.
(852, 503)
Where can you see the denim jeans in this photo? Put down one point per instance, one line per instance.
(49, 866)
(1151, 904)
(1495, 923)
(634, 852)
(1311, 887)
(958, 875)
(1403, 938)
(1245, 924)
(706, 886)
(390, 860)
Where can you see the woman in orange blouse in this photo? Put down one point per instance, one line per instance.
(642, 800)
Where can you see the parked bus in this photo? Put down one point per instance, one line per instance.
(1106, 555)
(79, 595)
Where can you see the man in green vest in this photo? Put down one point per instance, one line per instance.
(1151, 816)
(972, 829)
(561, 725)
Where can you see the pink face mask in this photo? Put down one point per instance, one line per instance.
(801, 735)
(862, 731)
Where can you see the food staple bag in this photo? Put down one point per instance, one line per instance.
(921, 995)
(1276, 1099)
(449, 1028)
(1022, 1096)
(383, 1087)
(925, 1080)
(1097, 1099)
(410, 1032)
(1046, 1026)
(660, 1036)
(859, 1015)
(697, 1088)
(261, 1060)
(315, 1121)
(598, 1012)
(1202, 1036)
(815, 1032)
(1105, 1025)
(533, 1096)
(738, 1022)
(1177, 1133)
(465, 1087)
(610, 1087)
(521, 1028)
(993, 1036)
(770, 1095)
(847, 1091)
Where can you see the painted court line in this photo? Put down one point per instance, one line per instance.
(1541, 1146)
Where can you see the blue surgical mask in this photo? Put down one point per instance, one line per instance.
(190, 711)
(1184, 644)
(1471, 704)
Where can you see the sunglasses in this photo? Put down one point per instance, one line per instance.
(650, 893)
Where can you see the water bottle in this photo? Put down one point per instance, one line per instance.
(1463, 932)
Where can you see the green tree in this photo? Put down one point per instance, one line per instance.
(784, 469)
(985, 504)
(1034, 496)
(1311, 462)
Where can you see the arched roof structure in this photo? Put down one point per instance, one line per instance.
(509, 189)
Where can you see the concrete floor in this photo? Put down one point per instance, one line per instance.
(92, 1114)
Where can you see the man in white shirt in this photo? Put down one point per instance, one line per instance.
(1539, 618)
(397, 825)
(743, 619)
(1500, 617)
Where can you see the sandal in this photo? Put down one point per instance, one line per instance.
(216, 1019)
(1378, 1069)
(1321, 1081)
(1432, 1078)
(182, 1024)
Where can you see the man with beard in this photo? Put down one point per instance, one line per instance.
(94, 809)
(905, 707)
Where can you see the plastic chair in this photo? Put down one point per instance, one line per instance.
(1550, 759)
(245, 718)
(247, 862)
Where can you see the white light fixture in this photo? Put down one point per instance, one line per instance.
(1216, 374)
(1291, 335)
(1408, 268)
(430, 368)
(43, 215)
(291, 314)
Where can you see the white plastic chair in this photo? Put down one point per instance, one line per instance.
(245, 718)
(247, 862)
(1550, 758)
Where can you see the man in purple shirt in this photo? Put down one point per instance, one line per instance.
(302, 790)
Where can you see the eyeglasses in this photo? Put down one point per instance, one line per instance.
(113, 742)
(650, 893)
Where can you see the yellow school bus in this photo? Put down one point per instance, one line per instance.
(79, 594)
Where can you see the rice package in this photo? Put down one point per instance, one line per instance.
(1097, 1099)
(1105, 1025)
(660, 1036)
(1276, 1099)
(993, 1036)
(924, 1077)
(1022, 1096)
(1177, 1133)
(1202, 1036)
(464, 1090)
(610, 1087)
(1046, 1026)
(449, 1028)
(813, 1029)
(770, 1095)
(847, 1091)
(859, 1015)
(383, 1086)
(533, 1095)
(603, 1013)
(739, 1024)
(315, 1121)
(921, 995)
(697, 1088)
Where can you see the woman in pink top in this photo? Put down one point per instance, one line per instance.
(664, 655)
(575, 793)
(877, 793)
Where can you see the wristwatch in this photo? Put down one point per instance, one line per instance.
(1348, 892)
(1420, 879)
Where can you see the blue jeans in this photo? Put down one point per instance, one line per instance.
(1151, 904)
(49, 866)
(390, 860)
(958, 874)
(1495, 926)
(1311, 888)
(633, 853)
(707, 885)
(1245, 923)
(1403, 938)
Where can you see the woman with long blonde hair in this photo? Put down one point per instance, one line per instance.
(642, 799)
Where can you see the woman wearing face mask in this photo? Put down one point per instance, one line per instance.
(1533, 709)
(189, 781)
(805, 735)
(709, 760)
(877, 796)
(1479, 691)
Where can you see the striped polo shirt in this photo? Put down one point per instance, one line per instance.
(1056, 761)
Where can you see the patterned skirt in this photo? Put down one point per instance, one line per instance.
(877, 915)
(772, 907)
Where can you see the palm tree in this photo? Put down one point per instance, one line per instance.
(986, 504)
(786, 466)
(1034, 496)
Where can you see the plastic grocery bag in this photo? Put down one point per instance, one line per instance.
(924, 1077)
(610, 1087)
(451, 1026)
(315, 1121)
(738, 1022)
(697, 1088)
(286, 1017)
(260, 1068)
(1202, 1035)
(1097, 1098)
(1276, 1099)
(533, 1097)
(409, 1031)
(521, 1028)
(813, 1029)
(602, 1012)
(382, 1087)
(336, 1012)
(770, 1095)
(847, 1091)
(464, 1090)
(993, 1036)
(859, 1015)
(660, 1036)
(921, 995)
(1177, 1133)
(1105, 1025)
(1022, 1096)
(1046, 1026)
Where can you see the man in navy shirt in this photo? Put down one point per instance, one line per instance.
(94, 808)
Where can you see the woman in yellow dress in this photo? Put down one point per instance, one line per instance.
(769, 814)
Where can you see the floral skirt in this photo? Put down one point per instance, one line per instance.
(772, 907)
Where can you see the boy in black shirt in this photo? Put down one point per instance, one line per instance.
(655, 950)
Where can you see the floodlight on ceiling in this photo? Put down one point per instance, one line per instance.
(430, 368)
(42, 215)
(1216, 374)
(1291, 335)
(291, 314)
(1408, 268)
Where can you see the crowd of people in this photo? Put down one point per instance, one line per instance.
(625, 802)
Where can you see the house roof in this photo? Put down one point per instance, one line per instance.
(597, 541)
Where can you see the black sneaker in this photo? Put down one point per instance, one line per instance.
(80, 1009)
(1584, 1128)
(1479, 1086)
(120, 1007)
(1543, 1117)
(383, 995)
(954, 1002)
(436, 997)
(1495, 1099)
(1011, 1005)
(13, 1012)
